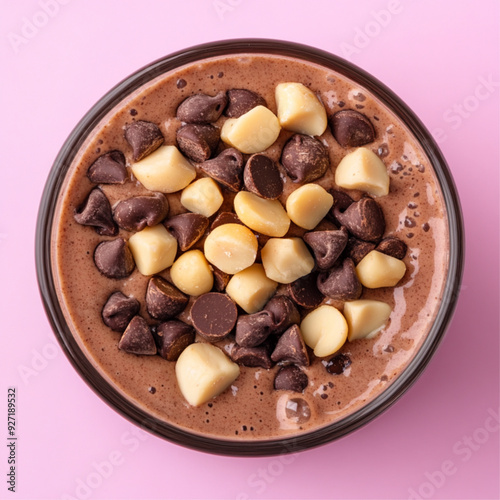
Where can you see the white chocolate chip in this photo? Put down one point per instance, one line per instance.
(153, 248)
(365, 317)
(231, 248)
(264, 216)
(308, 204)
(203, 371)
(165, 170)
(364, 170)
(252, 132)
(286, 259)
(378, 270)
(202, 196)
(299, 110)
(324, 330)
(251, 288)
(191, 273)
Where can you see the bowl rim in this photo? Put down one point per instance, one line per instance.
(174, 434)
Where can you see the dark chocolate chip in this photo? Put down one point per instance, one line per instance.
(202, 108)
(291, 378)
(172, 337)
(291, 348)
(357, 250)
(226, 168)
(221, 279)
(164, 300)
(109, 168)
(304, 158)
(225, 218)
(144, 138)
(342, 201)
(284, 313)
(393, 246)
(351, 128)
(214, 315)
(119, 310)
(262, 177)
(341, 282)
(364, 219)
(251, 356)
(198, 142)
(304, 291)
(137, 338)
(114, 259)
(96, 211)
(338, 364)
(138, 212)
(327, 246)
(253, 329)
(187, 228)
(241, 101)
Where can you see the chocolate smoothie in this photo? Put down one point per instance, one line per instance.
(251, 408)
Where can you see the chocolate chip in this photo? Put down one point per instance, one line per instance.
(393, 246)
(291, 348)
(251, 356)
(114, 259)
(338, 364)
(357, 250)
(119, 310)
(291, 378)
(364, 219)
(262, 177)
(304, 158)
(253, 329)
(225, 218)
(137, 338)
(134, 214)
(214, 316)
(221, 279)
(283, 311)
(351, 128)
(241, 101)
(198, 142)
(96, 211)
(304, 291)
(172, 337)
(187, 228)
(327, 246)
(341, 282)
(227, 168)
(109, 168)
(164, 300)
(202, 108)
(144, 138)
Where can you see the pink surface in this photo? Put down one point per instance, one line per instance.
(441, 439)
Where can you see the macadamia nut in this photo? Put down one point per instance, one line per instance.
(251, 288)
(153, 248)
(299, 110)
(377, 270)
(191, 273)
(365, 317)
(286, 259)
(324, 330)
(252, 132)
(231, 248)
(364, 170)
(308, 204)
(202, 196)
(165, 170)
(264, 216)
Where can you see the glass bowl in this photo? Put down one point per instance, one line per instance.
(173, 433)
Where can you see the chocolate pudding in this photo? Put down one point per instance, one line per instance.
(257, 404)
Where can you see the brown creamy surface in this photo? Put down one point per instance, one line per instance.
(251, 408)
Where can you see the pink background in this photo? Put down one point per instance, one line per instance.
(441, 439)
